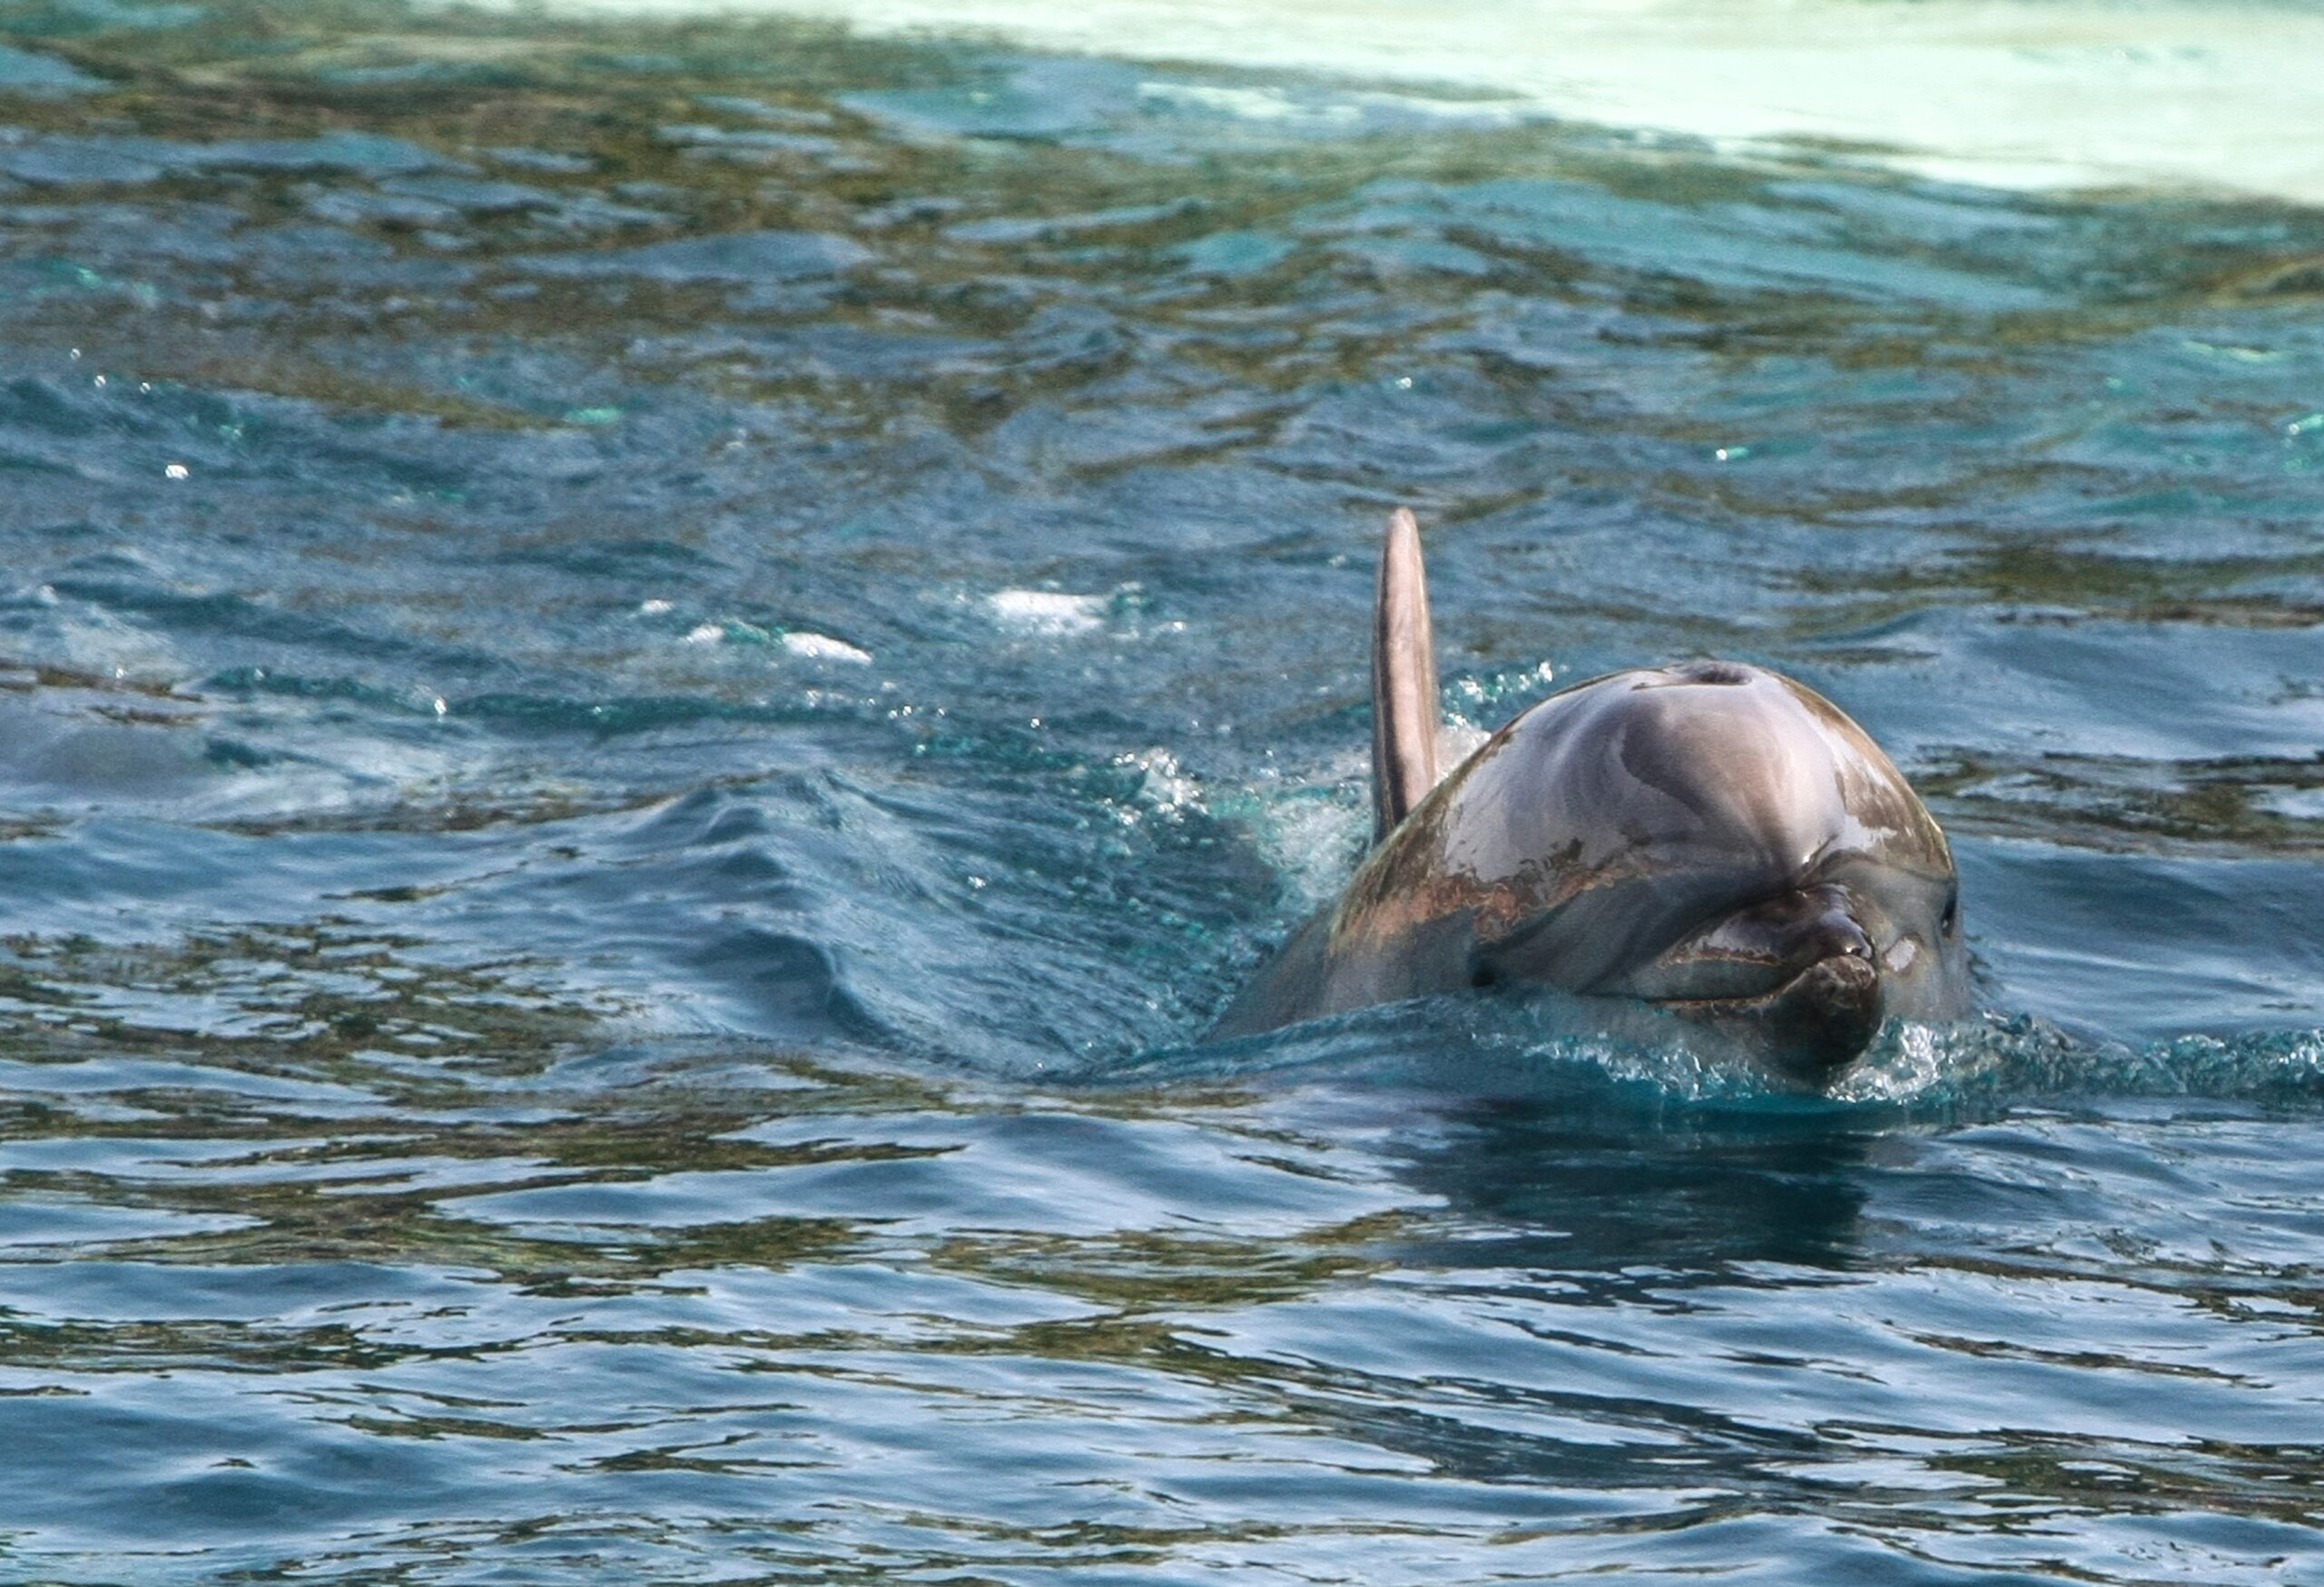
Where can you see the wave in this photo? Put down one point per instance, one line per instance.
(1547, 1048)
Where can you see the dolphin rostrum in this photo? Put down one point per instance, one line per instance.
(1711, 838)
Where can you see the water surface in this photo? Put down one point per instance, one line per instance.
(657, 673)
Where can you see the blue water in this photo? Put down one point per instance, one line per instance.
(655, 679)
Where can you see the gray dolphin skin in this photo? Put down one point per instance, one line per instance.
(1711, 838)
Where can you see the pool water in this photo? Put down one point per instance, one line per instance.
(656, 673)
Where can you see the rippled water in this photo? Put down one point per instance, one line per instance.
(658, 673)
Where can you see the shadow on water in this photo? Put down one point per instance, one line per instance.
(1613, 1148)
(1578, 1192)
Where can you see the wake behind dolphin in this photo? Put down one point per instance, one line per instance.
(1711, 838)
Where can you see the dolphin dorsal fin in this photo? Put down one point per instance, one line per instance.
(1404, 706)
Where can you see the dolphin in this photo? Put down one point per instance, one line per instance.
(1711, 838)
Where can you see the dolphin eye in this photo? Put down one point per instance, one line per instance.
(1951, 921)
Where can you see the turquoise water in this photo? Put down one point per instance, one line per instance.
(656, 675)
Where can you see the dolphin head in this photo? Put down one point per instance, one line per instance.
(1710, 838)
(1714, 839)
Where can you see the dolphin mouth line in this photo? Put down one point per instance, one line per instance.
(1835, 969)
(1826, 1015)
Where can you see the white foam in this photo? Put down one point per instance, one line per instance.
(2174, 94)
(1166, 785)
(1312, 839)
(823, 647)
(1045, 611)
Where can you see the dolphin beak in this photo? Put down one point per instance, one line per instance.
(1827, 1001)
(1823, 1018)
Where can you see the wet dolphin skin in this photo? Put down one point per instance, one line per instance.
(1710, 837)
